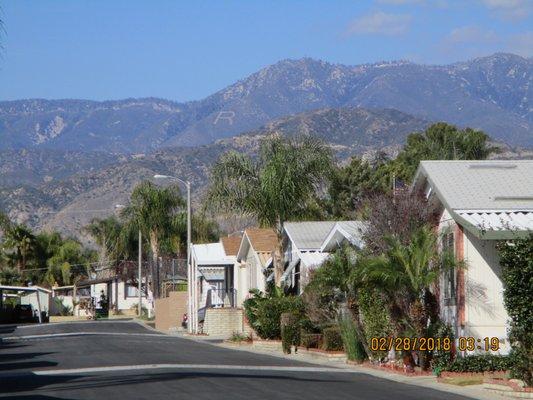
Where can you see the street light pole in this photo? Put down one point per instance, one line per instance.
(192, 314)
(139, 311)
(190, 273)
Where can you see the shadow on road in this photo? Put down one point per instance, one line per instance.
(73, 382)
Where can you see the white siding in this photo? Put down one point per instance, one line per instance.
(485, 311)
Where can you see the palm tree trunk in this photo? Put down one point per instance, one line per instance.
(154, 245)
(278, 256)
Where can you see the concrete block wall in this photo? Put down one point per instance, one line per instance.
(169, 311)
(224, 321)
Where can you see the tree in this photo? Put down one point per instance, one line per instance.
(280, 185)
(69, 260)
(396, 215)
(152, 210)
(107, 235)
(20, 242)
(351, 184)
(405, 274)
(441, 141)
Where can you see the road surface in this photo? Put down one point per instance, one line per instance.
(121, 360)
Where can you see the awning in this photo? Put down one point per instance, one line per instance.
(497, 224)
(314, 259)
(289, 269)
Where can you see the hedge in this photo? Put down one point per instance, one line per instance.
(479, 363)
(290, 331)
(516, 259)
(332, 339)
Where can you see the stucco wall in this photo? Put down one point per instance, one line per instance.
(169, 311)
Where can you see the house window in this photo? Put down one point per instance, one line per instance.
(131, 291)
(449, 280)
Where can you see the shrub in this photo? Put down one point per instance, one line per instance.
(62, 309)
(332, 339)
(240, 337)
(264, 313)
(376, 320)
(310, 340)
(352, 344)
(516, 259)
(480, 363)
(441, 358)
(290, 331)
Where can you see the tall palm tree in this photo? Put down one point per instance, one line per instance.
(107, 235)
(20, 241)
(278, 186)
(152, 210)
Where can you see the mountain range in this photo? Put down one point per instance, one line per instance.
(491, 93)
(63, 162)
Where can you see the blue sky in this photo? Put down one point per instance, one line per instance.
(111, 49)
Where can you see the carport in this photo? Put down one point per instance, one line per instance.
(24, 289)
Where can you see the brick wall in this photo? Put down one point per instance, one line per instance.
(224, 321)
(169, 311)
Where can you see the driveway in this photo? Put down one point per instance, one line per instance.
(123, 359)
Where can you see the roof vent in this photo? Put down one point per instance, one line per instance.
(492, 166)
(513, 198)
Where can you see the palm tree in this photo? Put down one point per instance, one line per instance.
(152, 210)
(20, 241)
(107, 235)
(278, 186)
(405, 275)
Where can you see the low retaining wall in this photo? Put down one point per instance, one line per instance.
(224, 322)
(169, 311)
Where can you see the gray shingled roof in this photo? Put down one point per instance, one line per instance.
(481, 185)
(308, 235)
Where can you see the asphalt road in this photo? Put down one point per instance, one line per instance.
(124, 360)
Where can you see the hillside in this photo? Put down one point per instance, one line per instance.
(68, 202)
(491, 93)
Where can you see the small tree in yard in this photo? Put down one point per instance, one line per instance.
(405, 275)
(516, 259)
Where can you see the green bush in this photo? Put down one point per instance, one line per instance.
(62, 309)
(264, 313)
(441, 359)
(332, 339)
(480, 363)
(352, 344)
(290, 331)
(516, 259)
(310, 340)
(376, 321)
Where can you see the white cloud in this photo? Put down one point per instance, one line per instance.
(470, 34)
(510, 9)
(379, 23)
(521, 44)
(473, 41)
(401, 2)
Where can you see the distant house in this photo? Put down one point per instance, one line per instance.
(121, 294)
(254, 259)
(306, 245)
(214, 275)
(479, 203)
